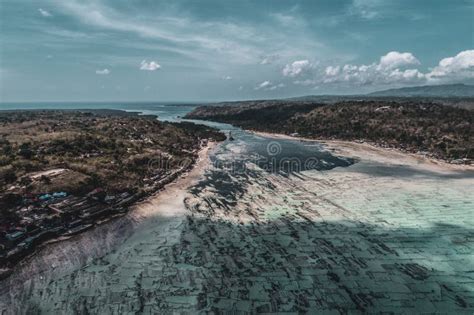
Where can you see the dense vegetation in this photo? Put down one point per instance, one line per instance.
(442, 131)
(97, 148)
(268, 115)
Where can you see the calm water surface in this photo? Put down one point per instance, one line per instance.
(280, 155)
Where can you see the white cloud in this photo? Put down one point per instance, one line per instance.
(149, 66)
(406, 76)
(227, 39)
(269, 86)
(391, 69)
(395, 59)
(372, 74)
(296, 68)
(44, 13)
(103, 71)
(263, 85)
(460, 66)
(212, 43)
(227, 77)
(332, 71)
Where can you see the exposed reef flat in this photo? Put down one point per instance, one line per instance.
(382, 235)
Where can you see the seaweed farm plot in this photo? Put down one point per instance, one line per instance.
(337, 240)
(369, 237)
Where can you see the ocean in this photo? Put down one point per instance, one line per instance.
(164, 111)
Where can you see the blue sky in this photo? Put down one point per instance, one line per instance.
(183, 50)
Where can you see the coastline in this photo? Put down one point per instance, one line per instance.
(386, 223)
(369, 151)
(63, 255)
(109, 161)
(168, 202)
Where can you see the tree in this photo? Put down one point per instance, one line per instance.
(25, 151)
(9, 176)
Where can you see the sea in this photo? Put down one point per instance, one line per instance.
(164, 111)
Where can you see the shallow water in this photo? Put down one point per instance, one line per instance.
(331, 236)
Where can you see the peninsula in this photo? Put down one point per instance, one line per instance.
(62, 172)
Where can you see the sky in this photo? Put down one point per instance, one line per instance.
(212, 50)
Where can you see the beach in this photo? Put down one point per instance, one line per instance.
(65, 255)
(368, 151)
(389, 233)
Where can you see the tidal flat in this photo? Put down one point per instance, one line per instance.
(370, 230)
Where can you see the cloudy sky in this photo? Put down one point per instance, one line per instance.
(188, 50)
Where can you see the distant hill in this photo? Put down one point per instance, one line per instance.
(446, 90)
(456, 95)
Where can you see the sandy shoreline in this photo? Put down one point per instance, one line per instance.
(68, 254)
(169, 201)
(384, 235)
(371, 152)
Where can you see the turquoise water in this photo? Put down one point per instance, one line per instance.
(385, 235)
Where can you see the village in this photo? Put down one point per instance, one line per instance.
(39, 218)
(47, 216)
